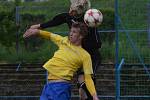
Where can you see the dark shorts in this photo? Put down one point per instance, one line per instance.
(56, 91)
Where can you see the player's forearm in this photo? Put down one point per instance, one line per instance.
(57, 20)
(50, 23)
(32, 32)
(90, 85)
(44, 34)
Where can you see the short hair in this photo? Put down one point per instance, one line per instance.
(82, 26)
(80, 5)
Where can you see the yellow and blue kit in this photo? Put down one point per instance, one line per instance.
(67, 60)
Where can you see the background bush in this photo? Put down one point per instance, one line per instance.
(38, 49)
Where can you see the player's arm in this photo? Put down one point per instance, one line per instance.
(48, 35)
(88, 71)
(57, 20)
(90, 86)
(44, 34)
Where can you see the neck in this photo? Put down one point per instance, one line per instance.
(78, 43)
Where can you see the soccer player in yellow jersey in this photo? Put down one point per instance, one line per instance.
(66, 61)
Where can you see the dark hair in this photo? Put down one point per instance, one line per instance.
(82, 27)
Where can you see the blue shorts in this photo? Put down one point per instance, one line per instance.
(56, 91)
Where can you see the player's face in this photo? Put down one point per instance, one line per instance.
(72, 12)
(74, 35)
(76, 11)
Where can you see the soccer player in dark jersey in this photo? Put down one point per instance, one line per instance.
(91, 43)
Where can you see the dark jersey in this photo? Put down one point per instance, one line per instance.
(92, 41)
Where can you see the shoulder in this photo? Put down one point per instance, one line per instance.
(84, 53)
(65, 40)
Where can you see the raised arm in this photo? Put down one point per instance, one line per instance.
(44, 34)
(57, 20)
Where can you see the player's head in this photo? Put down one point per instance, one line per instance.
(78, 7)
(78, 32)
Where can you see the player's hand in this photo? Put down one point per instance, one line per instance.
(30, 32)
(95, 97)
(37, 26)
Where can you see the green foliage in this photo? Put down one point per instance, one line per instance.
(108, 43)
(8, 28)
(134, 13)
(108, 19)
(28, 20)
(138, 47)
(7, 54)
(108, 52)
(107, 24)
(30, 16)
(102, 4)
(17, 2)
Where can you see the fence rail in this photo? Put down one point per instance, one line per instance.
(29, 78)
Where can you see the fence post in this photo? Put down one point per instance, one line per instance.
(18, 26)
(116, 48)
(148, 24)
(118, 79)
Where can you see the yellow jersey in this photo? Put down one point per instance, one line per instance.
(67, 59)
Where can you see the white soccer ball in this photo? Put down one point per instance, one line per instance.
(93, 17)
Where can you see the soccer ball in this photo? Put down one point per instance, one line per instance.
(93, 17)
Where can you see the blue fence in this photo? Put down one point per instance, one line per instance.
(132, 77)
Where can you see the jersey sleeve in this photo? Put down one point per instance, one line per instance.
(90, 84)
(57, 20)
(87, 64)
(51, 36)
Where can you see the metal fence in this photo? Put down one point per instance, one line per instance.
(132, 77)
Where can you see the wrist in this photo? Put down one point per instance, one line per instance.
(39, 25)
(95, 97)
